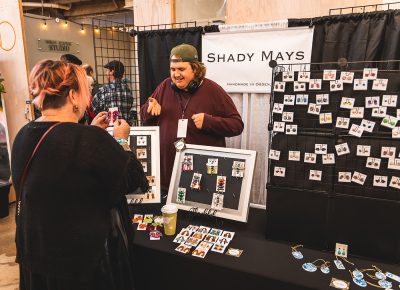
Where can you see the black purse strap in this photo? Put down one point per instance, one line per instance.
(28, 164)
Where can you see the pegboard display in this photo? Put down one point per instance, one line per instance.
(213, 180)
(334, 150)
(145, 144)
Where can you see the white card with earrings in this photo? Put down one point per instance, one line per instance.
(279, 127)
(344, 176)
(217, 201)
(372, 102)
(310, 158)
(396, 133)
(341, 250)
(278, 108)
(322, 99)
(315, 84)
(303, 76)
(363, 150)
(395, 182)
(347, 103)
(342, 122)
(347, 77)
(342, 149)
(274, 154)
(279, 171)
(288, 76)
(370, 73)
(367, 125)
(320, 148)
(374, 163)
(359, 178)
(299, 87)
(394, 163)
(380, 181)
(287, 117)
(325, 118)
(336, 86)
(314, 109)
(329, 75)
(398, 114)
(357, 113)
(301, 99)
(294, 156)
(360, 85)
(221, 183)
(289, 100)
(315, 175)
(388, 152)
(279, 86)
(356, 130)
(389, 101)
(389, 121)
(328, 158)
(379, 112)
(291, 129)
(380, 84)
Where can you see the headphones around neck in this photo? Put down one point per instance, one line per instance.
(191, 88)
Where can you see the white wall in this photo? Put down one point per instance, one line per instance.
(57, 31)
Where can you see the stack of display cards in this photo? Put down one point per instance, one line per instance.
(149, 222)
(202, 239)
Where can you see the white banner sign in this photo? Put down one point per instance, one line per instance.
(239, 61)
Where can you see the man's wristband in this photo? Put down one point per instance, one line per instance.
(122, 141)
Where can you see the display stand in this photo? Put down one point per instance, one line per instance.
(145, 144)
(329, 130)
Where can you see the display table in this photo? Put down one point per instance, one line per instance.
(264, 264)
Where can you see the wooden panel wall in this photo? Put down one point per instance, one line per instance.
(153, 12)
(248, 11)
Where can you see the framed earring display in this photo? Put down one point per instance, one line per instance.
(225, 194)
(145, 144)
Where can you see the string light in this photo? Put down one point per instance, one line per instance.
(82, 29)
(65, 23)
(97, 30)
(44, 25)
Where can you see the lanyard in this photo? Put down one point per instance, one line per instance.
(183, 108)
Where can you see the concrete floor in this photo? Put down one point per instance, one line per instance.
(9, 273)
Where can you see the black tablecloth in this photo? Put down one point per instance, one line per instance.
(264, 264)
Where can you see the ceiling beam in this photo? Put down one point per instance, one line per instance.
(68, 1)
(93, 9)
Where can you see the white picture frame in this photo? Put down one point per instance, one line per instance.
(228, 154)
(153, 143)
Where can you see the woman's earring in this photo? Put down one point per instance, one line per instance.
(75, 109)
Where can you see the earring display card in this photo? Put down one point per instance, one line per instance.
(288, 76)
(274, 154)
(314, 109)
(329, 75)
(291, 129)
(344, 177)
(299, 87)
(325, 118)
(322, 99)
(144, 141)
(367, 125)
(388, 152)
(289, 100)
(279, 86)
(356, 130)
(310, 158)
(395, 182)
(360, 85)
(396, 133)
(379, 112)
(336, 86)
(389, 101)
(372, 102)
(279, 127)
(328, 158)
(287, 117)
(321, 148)
(278, 108)
(394, 163)
(363, 150)
(315, 84)
(374, 163)
(201, 193)
(347, 103)
(380, 181)
(342, 122)
(380, 84)
(389, 121)
(357, 113)
(279, 171)
(370, 73)
(347, 77)
(359, 178)
(315, 175)
(294, 156)
(398, 113)
(303, 77)
(342, 149)
(301, 99)
(341, 250)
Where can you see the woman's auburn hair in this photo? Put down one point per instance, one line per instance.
(199, 70)
(51, 81)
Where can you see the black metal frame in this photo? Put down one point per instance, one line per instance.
(342, 10)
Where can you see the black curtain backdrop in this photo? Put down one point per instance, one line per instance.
(153, 52)
(357, 37)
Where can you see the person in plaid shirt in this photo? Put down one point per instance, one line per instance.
(115, 94)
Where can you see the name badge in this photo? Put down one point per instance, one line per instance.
(182, 128)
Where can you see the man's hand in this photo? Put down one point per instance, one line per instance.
(100, 120)
(154, 108)
(121, 129)
(198, 120)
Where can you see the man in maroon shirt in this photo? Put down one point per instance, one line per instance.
(187, 94)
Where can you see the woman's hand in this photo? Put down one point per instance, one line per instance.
(100, 120)
(121, 129)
